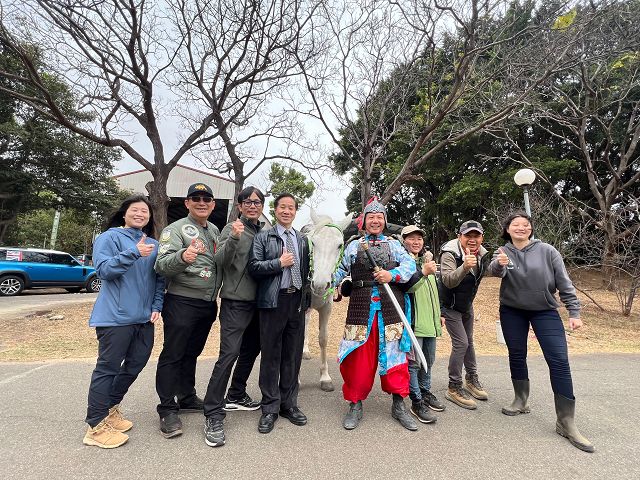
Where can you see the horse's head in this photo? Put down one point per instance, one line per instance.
(327, 243)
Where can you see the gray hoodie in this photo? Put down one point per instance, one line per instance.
(538, 272)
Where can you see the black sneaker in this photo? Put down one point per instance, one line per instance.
(213, 432)
(422, 413)
(430, 400)
(193, 405)
(171, 425)
(245, 403)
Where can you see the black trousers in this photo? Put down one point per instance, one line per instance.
(122, 354)
(281, 341)
(239, 340)
(187, 323)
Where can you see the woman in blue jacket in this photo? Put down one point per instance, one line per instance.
(129, 303)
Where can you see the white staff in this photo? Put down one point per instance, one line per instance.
(416, 346)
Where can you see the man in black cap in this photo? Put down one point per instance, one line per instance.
(463, 262)
(186, 260)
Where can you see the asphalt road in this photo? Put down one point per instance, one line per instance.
(41, 299)
(41, 426)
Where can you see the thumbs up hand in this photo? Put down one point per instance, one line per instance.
(191, 253)
(470, 261)
(237, 228)
(502, 258)
(145, 249)
(286, 259)
(429, 268)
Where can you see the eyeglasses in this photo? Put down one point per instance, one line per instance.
(248, 203)
(197, 199)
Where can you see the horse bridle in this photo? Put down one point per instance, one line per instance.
(331, 289)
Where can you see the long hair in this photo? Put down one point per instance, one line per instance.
(507, 221)
(116, 219)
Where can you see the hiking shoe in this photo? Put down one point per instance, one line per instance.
(104, 435)
(213, 432)
(117, 421)
(460, 397)
(474, 387)
(194, 405)
(430, 400)
(245, 403)
(422, 412)
(170, 425)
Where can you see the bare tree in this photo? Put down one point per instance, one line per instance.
(237, 58)
(592, 109)
(147, 67)
(497, 62)
(429, 74)
(357, 89)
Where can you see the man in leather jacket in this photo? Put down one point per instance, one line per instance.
(279, 262)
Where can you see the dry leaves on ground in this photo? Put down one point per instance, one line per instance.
(38, 338)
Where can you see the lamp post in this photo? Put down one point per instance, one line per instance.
(524, 178)
(56, 223)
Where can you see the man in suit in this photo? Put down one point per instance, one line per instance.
(279, 262)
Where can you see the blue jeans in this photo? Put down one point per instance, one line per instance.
(549, 330)
(419, 378)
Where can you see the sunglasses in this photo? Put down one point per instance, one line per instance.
(197, 199)
(255, 203)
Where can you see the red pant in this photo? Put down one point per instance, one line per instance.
(358, 371)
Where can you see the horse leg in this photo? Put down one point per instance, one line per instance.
(326, 383)
(305, 349)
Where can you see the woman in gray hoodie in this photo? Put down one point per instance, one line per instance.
(532, 272)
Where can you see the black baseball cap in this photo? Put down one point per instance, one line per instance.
(199, 189)
(469, 226)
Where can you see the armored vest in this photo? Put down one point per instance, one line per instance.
(461, 297)
(362, 277)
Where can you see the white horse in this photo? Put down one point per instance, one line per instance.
(327, 245)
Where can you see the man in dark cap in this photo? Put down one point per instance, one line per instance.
(463, 263)
(186, 260)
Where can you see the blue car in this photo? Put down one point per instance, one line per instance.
(22, 268)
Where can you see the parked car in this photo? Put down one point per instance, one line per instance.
(85, 259)
(22, 268)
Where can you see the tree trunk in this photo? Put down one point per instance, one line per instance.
(238, 185)
(628, 304)
(365, 191)
(157, 189)
(609, 270)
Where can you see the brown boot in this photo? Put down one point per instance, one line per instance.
(117, 421)
(474, 387)
(104, 435)
(459, 396)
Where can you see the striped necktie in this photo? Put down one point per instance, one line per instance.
(296, 278)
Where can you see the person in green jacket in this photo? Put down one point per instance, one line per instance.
(426, 323)
(186, 258)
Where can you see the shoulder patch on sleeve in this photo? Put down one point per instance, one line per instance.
(166, 235)
(190, 231)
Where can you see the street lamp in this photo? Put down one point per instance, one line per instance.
(56, 223)
(524, 178)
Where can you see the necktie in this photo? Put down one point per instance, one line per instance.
(296, 278)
